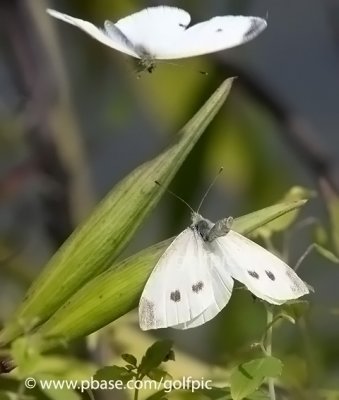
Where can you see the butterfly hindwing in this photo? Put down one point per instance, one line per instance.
(179, 288)
(264, 274)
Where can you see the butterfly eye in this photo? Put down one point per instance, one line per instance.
(198, 287)
(175, 296)
(254, 274)
(270, 275)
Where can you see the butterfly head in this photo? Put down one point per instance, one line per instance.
(202, 225)
(147, 61)
(208, 230)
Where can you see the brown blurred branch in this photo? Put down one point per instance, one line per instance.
(50, 129)
(297, 130)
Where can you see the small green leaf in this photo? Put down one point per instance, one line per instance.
(130, 359)
(155, 355)
(326, 253)
(247, 377)
(158, 375)
(114, 373)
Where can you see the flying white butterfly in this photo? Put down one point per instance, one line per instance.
(193, 280)
(162, 33)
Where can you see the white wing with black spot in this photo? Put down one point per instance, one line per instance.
(264, 274)
(179, 288)
(162, 33)
(222, 285)
(216, 34)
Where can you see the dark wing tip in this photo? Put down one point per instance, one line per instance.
(257, 25)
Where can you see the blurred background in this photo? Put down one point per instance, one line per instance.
(75, 119)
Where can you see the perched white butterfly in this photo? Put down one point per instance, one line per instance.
(193, 280)
(162, 33)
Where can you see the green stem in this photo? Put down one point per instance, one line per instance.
(303, 256)
(90, 394)
(136, 390)
(268, 346)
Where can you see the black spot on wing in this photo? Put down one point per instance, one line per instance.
(255, 26)
(253, 274)
(270, 275)
(219, 30)
(175, 296)
(198, 287)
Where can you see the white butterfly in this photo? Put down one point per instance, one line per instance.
(193, 280)
(162, 33)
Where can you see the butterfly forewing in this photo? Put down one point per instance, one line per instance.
(179, 288)
(264, 274)
(219, 33)
(113, 38)
(222, 285)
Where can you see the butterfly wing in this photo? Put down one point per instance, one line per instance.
(179, 288)
(216, 34)
(264, 274)
(222, 285)
(153, 29)
(112, 37)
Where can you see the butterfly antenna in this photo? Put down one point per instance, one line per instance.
(209, 188)
(176, 196)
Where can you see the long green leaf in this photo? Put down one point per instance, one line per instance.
(98, 242)
(117, 290)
